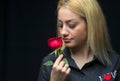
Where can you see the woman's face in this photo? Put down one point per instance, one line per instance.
(72, 28)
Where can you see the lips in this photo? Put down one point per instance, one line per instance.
(67, 40)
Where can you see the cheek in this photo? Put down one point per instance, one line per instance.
(81, 35)
(59, 31)
(81, 32)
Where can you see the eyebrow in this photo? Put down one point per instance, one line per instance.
(69, 20)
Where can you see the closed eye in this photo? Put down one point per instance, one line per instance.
(72, 26)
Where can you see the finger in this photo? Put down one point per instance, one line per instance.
(65, 68)
(68, 71)
(58, 60)
(61, 64)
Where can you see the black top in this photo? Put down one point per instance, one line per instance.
(92, 71)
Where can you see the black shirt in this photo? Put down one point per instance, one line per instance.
(92, 71)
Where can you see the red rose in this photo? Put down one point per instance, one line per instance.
(55, 42)
(107, 77)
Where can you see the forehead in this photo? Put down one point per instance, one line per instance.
(66, 14)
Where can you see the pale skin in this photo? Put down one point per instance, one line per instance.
(73, 31)
(60, 70)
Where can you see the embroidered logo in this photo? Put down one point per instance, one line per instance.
(108, 76)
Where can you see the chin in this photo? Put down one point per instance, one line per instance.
(69, 45)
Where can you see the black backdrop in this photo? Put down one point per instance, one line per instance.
(25, 26)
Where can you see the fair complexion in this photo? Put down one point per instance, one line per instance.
(60, 70)
(73, 31)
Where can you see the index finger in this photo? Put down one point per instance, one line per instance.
(58, 60)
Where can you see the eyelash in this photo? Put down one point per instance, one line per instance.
(70, 26)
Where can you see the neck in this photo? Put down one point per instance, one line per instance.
(81, 56)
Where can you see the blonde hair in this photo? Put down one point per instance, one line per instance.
(98, 37)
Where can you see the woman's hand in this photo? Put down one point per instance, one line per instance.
(60, 70)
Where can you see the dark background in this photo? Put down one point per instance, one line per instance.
(25, 26)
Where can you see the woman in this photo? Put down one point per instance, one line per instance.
(82, 26)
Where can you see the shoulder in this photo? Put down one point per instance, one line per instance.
(114, 56)
(50, 58)
(46, 66)
(115, 59)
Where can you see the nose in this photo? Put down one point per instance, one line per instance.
(64, 31)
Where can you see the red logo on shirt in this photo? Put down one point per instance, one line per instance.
(107, 77)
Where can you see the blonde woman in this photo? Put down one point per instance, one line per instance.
(82, 26)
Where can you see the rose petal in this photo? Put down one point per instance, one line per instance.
(55, 42)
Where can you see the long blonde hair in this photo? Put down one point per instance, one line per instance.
(98, 37)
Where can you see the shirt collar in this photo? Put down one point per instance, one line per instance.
(66, 53)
